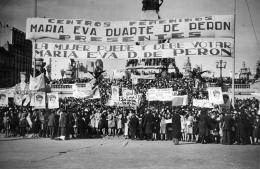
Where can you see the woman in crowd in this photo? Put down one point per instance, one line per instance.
(183, 128)
(241, 127)
(62, 123)
(176, 127)
(7, 122)
(36, 124)
(119, 117)
(103, 124)
(97, 121)
(75, 125)
(162, 127)
(196, 128)
(189, 126)
(156, 126)
(92, 122)
(148, 125)
(110, 123)
(23, 124)
(51, 124)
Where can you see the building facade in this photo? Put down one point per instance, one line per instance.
(15, 56)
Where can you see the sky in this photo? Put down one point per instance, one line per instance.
(15, 12)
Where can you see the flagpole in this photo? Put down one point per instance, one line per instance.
(234, 54)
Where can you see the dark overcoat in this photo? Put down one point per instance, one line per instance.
(148, 123)
(176, 126)
(204, 125)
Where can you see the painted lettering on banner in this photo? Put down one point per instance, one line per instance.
(129, 31)
(203, 47)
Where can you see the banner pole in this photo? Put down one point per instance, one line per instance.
(234, 56)
(34, 58)
(35, 8)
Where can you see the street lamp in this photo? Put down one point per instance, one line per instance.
(221, 65)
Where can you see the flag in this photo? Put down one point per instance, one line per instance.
(95, 94)
(53, 100)
(37, 83)
(87, 90)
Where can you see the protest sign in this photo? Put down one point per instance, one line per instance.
(165, 94)
(215, 95)
(53, 100)
(179, 100)
(126, 92)
(203, 103)
(39, 100)
(115, 93)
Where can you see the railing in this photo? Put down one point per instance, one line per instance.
(242, 86)
(66, 87)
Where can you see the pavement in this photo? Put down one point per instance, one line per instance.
(118, 153)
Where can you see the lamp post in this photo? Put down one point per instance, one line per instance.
(221, 65)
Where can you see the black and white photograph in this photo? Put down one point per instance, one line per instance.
(120, 84)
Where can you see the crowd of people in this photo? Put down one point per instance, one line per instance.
(83, 118)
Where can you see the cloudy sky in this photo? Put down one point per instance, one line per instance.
(15, 12)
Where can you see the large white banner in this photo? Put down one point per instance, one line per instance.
(199, 47)
(165, 94)
(129, 31)
(215, 95)
(53, 100)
